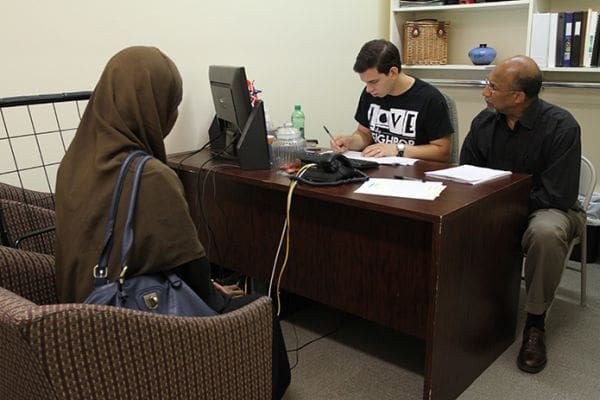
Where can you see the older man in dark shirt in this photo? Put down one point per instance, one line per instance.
(522, 133)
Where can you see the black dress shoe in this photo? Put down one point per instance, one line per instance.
(532, 356)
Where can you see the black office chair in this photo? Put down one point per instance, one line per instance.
(454, 157)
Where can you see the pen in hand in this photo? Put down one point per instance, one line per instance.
(329, 133)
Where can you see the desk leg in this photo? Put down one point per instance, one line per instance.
(472, 319)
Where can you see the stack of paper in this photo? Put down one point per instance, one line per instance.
(468, 174)
(381, 160)
(402, 188)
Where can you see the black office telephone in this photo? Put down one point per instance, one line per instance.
(329, 169)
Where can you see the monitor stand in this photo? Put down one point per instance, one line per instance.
(250, 149)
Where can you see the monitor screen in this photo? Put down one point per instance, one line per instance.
(238, 131)
(230, 94)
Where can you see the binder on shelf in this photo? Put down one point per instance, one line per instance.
(596, 49)
(552, 39)
(592, 23)
(539, 41)
(568, 39)
(560, 39)
(582, 41)
(575, 39)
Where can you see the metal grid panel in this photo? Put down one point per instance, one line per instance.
(35, 132)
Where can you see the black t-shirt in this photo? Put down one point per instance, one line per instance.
(415, 117)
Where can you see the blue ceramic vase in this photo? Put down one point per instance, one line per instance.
(482, 55)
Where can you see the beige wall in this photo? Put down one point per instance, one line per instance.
(296, 51)
(584, 104)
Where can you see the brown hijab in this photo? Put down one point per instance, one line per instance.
(134, 106)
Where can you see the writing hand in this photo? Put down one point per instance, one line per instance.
(380, 150)
(340, 144)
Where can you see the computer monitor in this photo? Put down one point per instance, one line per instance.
(238, 131)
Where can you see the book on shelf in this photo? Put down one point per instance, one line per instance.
(567, 39)
(588, 47)
(582, 42)
(596, 49)
(560, 38)
(540, 38)
(552, 39)
(576, 39)
(572, 38)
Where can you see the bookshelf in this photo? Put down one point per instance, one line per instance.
(503, 25)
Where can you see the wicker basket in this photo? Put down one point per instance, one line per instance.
(425, 42)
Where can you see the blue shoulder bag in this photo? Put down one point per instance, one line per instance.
(163, 292)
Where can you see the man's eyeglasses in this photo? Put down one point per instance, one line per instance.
(492, 87)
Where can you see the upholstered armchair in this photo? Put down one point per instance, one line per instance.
(27, 226)
(27, 219)
(27, 196)
(79, 351)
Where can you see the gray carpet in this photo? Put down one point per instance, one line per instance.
(362, 360)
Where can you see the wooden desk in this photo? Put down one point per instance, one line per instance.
(446, 271)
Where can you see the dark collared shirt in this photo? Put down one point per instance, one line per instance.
(545, 142)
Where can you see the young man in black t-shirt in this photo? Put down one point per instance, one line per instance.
(397, 115)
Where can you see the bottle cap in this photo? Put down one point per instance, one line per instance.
(297, 107)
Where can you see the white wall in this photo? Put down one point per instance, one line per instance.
(296, 51)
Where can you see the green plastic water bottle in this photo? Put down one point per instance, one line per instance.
(298, 119)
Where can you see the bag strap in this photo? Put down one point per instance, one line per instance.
(100, 271)
(128, 234)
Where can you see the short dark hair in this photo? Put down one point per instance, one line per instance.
(528, 83)
(381, 54)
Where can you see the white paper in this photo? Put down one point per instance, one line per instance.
(468, 174)
(402, 188)
(381, 160)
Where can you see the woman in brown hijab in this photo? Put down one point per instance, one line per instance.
(134, 107)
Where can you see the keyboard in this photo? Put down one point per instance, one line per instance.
(321, 158)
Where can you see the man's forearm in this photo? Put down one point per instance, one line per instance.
(432, 151)
(358, 141)
(427, 152)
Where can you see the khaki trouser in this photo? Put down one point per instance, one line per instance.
(546, 243)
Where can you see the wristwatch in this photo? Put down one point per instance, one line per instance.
(400, 147)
